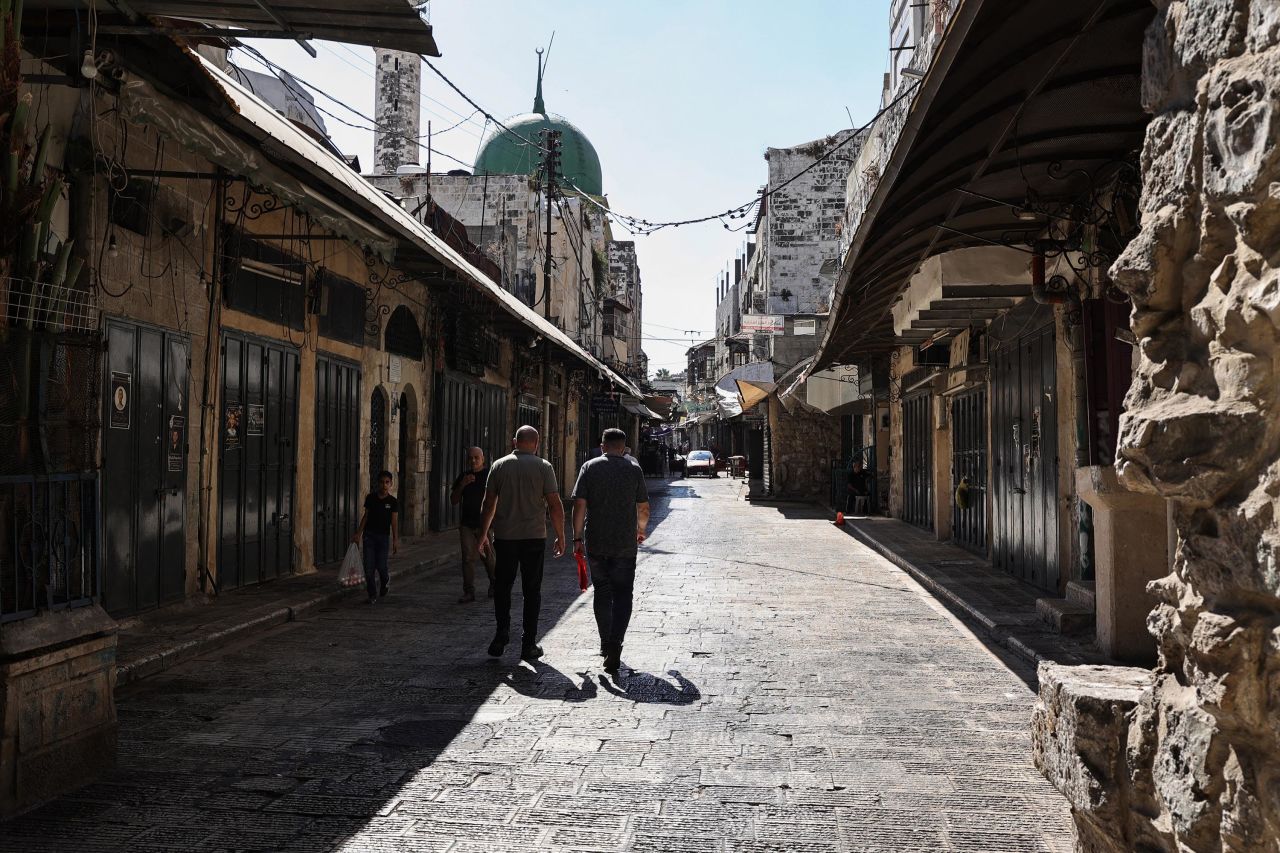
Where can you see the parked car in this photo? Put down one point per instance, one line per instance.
(700, 462)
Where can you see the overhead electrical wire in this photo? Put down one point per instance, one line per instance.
(644, 227)
(634, 224)
(285, 77)
(370, 74)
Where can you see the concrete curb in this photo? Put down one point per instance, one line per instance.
(1004, 637)
(256, 622)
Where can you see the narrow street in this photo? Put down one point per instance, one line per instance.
(790, 691)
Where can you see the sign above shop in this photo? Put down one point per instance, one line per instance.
(764, 324)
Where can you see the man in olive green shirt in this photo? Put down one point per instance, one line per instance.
(519, 493)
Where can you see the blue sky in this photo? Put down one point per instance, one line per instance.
(680, 100)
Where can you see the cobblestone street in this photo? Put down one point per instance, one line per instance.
(788, 690)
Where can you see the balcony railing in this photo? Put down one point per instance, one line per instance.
(50, 551)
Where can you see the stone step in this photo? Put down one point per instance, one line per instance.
(1082, 592)
(1065, 616)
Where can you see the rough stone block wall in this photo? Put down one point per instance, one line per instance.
(1203, 744)
(802, 220)
(803, 444)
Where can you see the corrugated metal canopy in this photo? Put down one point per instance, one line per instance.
(1021, 94)
(393, 24)
(283, 140)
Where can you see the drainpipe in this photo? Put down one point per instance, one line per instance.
(1039, 287)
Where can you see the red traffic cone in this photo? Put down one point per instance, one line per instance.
(839, 518)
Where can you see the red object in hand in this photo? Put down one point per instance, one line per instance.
(583, 578)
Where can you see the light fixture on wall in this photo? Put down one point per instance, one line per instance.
(912, 72)
(89, 66)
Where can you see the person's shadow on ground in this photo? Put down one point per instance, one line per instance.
(544, 681)
(643, 687)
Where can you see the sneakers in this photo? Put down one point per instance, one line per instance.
(530, 652)
(613, 659)
(468, 598)
(495, 648)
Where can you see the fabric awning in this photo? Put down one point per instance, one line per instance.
(393, 24)
(1023, 100)
(638, 408)
(755, 371)
(753, 391)
(727, 403)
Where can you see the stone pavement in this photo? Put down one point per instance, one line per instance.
(789, 690)
(997, 604)
(162, 638)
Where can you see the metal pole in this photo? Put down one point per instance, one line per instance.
(550, 163)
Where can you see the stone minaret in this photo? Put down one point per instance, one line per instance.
(397, 101)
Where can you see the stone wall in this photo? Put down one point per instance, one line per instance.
(803, 444)
(1201, 746)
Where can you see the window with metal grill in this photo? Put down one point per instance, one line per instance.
(403, 337)
(264, 281)
(342, 308)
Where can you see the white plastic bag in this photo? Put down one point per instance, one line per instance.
(352, 571)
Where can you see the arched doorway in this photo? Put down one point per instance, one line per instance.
(407, 461)
(377, 435)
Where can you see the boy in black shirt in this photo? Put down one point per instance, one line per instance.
(380, 527)
(468, 490)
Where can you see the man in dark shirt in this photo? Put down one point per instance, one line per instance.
(468, 490)
(610, 500)
(859, 489)
(380, 527)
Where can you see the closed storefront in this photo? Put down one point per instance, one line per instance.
(257, 443)
(467, 414)
(969, 470)
(1024, 439)
(917, 459)
(337, 456)
(147, 407)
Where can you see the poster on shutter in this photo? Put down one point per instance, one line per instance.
(231, 427)
(176, 442)
(121, 399)
(256, 419)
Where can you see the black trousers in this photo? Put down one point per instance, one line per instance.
(523, 556)
(614, 578)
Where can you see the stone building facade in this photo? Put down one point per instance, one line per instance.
(800, 225)
(623, 311)
(255, 334)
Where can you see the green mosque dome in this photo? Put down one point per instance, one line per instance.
(506, 153)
